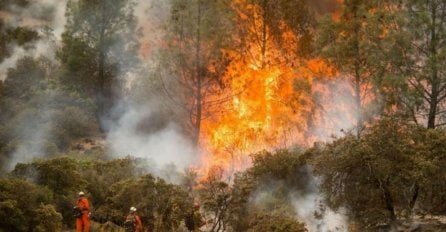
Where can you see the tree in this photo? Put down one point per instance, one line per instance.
(97, 46)
(422, 56)
(21, 203)
(61, 175)
(215, 195)
(373, 176)
(265, 22)
(198, 33)
(353, 45)
(23, 80)
(10, 35)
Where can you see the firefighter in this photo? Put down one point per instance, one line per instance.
(194, 220)
(133, 221)
(83, 214)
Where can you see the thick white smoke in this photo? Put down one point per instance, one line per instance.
(164, 146)
(45, 16)
(336, 106)
(305, 202)
(162, 141)
(310, 208)
(33, 127)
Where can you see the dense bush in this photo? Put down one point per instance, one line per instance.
(23, 203)
(381, 177)
(275, 222)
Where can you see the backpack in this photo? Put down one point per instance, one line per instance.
(130, 223)
(77, 212)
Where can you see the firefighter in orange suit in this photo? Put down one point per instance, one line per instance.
(133, 221)
(83, 220)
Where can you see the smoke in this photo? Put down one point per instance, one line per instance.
(152, 16)
(139, 125)
(32, 127)
(310, 208)
(47, 17)
(140, 132)
(337, 112)
(303, 200)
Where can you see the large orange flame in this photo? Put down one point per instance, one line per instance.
(271, 101)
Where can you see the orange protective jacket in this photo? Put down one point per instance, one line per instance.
(138, 226)
(83, 223)
(84, 205)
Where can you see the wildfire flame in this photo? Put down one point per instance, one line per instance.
(271, 101)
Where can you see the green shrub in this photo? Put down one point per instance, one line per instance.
(47, 219)
(20, 204)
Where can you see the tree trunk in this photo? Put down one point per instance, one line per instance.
(264, 33)
(357, 80)
(102, 97)
(434, 78)
(414, 198)
(199, 97)
(388, 200)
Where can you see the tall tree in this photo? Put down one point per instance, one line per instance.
(99, 43)
(423, 55)
(264, 24)
(352, 43)
(198, 33)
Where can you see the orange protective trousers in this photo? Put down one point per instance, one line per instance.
(83, 222)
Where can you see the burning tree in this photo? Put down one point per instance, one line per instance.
(194, 57)
(268, 82)
(353, 42)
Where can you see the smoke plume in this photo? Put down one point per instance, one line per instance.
(47, 17)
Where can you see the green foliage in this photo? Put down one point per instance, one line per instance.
(73, 123)
(265, 187)
(47, 219)
(378, 176)
(424, 55)
(11, 36)
(17, 219)
(98, 42)
(275, 221)
(431, 144)
(101, 175)
(29, 97)
(21, 203)
(194, 58)
(22, 35)
(354, 44)
(24, 80)
(161, 206)
(61, 175)
(281, 165)
(215, 195)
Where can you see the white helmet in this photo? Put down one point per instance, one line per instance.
(81, 193)
(132, 209)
